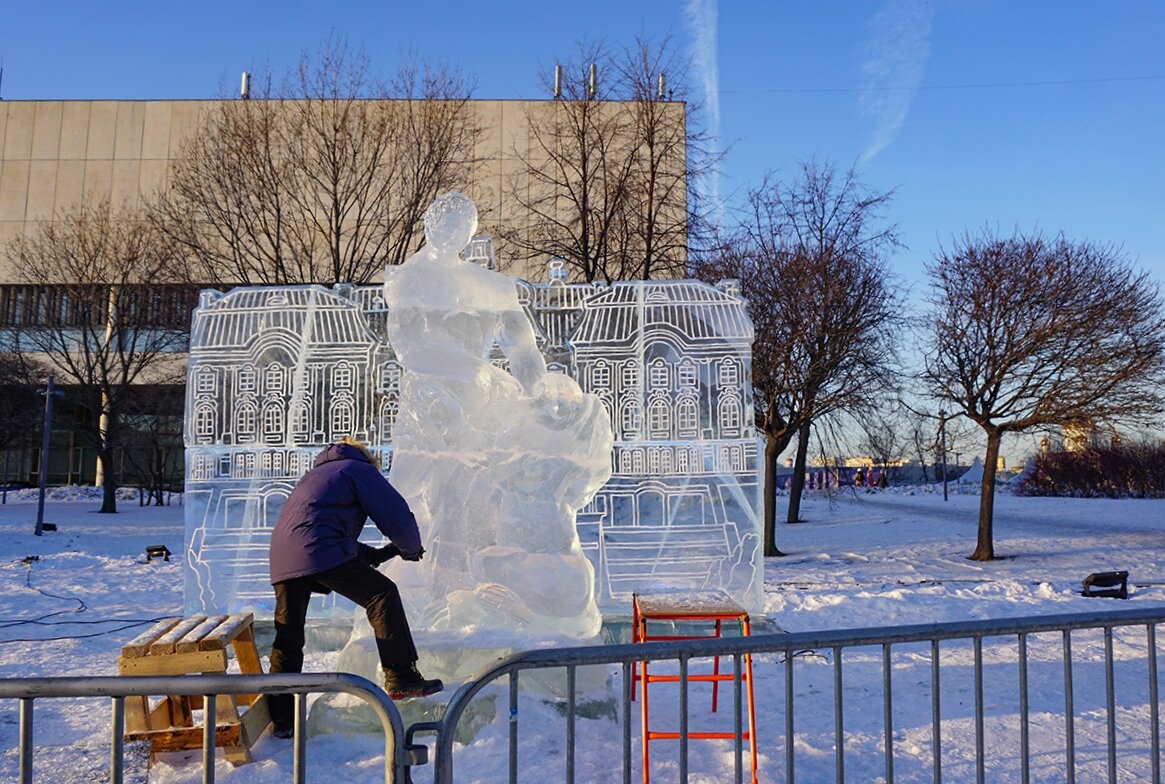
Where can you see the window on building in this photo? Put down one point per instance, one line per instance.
(342, 376)
(687, 374)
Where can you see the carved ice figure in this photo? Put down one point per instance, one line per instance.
(494, 464)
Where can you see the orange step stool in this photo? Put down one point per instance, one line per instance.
(691, 608)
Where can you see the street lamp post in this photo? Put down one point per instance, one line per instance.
(49, 393)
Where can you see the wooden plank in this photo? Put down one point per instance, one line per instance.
(176, 664)
(190, 641)
(136, 714)
(255, 720)
(165, 644)
(247, 655)
(227, 631)
(178, 739)
(140, 645)
(159, 716)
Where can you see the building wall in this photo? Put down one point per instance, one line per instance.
(53, 153)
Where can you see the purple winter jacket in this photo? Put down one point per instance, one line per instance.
(319, 524)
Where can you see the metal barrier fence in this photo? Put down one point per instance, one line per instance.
(28, 690)
(934, 640)
(1006, 646)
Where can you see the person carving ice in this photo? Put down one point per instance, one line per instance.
(494, 463)
(314, 548)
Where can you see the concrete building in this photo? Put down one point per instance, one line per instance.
(56, 154)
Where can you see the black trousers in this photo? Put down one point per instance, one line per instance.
(354, 580)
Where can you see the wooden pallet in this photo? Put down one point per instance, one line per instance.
(195, 645)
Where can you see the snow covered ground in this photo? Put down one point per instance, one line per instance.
(72, 597)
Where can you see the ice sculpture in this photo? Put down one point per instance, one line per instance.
(276, 373)
(494, 464)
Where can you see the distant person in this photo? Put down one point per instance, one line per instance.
(314, 548)
(859, 477)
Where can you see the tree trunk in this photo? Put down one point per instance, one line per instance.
(985, 546)
(797, 485)
(773, 451)
(109, 488)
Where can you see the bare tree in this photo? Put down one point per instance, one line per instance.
(21, 408)
(102, 315)
(883, 436)
(1029, 331)
(324, 179)
(606, 175)
(811, 259)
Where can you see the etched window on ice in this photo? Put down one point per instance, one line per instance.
(659, 418)
(204, 380)
(632, 419)
(687, 418)
(272, 422)
(245, 421)
(658, 374)
(341, 419)
(729, 373)
(273, 380)
(630, 376)
(299, 420)
(246, 379)
(204, 421)
(601, 376)
(729, 417)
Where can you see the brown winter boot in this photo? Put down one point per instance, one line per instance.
(404, 682)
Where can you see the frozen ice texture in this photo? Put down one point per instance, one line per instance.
(276, 373)
(493, 463)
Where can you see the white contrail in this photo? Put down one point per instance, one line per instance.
(896, 53)
(701, 18)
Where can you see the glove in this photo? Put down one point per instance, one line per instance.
(413, 556)
(379, 555)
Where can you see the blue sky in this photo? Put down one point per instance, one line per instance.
(1034, 114)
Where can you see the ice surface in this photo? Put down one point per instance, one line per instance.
(485, 394)
(494, 464)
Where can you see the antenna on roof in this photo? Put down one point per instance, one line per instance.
(558, 81)
(245, 86)
(1, 82)
(659, 91)
(591, 79)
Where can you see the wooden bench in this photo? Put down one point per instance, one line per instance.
(186, 646)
